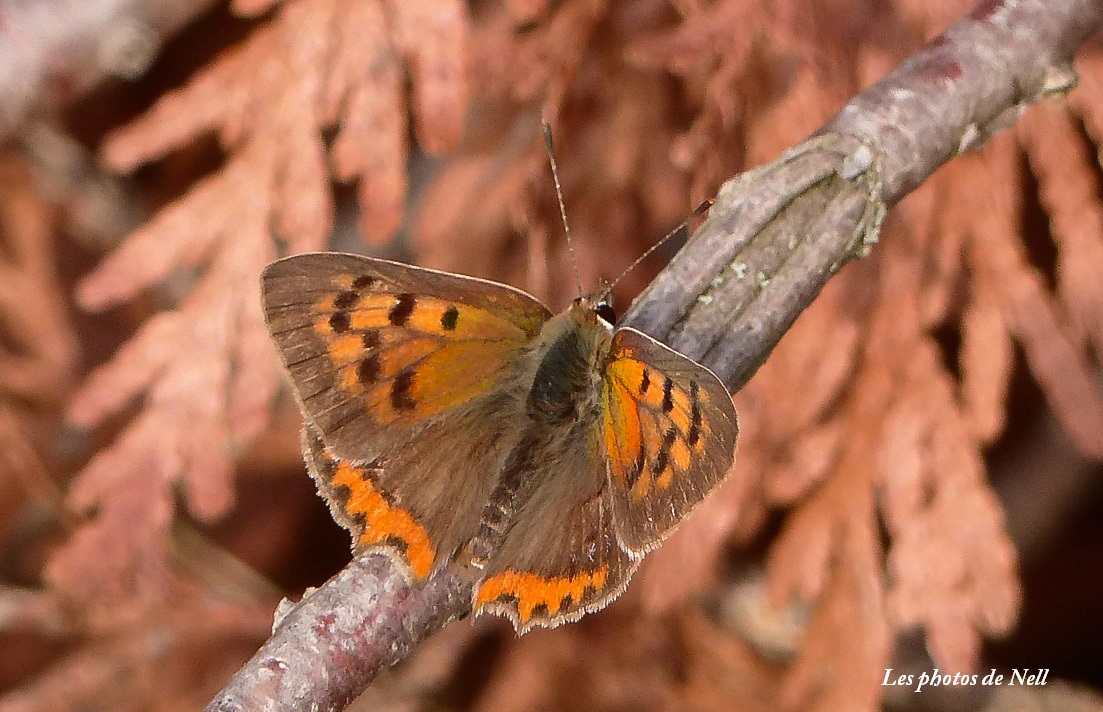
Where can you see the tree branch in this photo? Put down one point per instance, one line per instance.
(773, 239)
(331, 645)
(778, 233)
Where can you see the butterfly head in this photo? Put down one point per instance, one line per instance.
(595, 308)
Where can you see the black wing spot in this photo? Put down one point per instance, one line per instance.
(342, 491)
(566, 602)
(339, 322)
(368, 370)
(637, 469)
(663, 458)
(363, 281)
(668, 395)
(694, 433)
(661, 461)
(326, 465)
(397, 542)
(540, 610)
(645, 382)
(371, 339)
(400, 391)
(344, 300)
(450, 318)
(386, 496)
(402, 308)
(508, 598)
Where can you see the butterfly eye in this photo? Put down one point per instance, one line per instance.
(605, 311)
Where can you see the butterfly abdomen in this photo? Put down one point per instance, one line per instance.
(507, 495)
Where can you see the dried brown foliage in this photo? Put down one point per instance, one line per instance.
(39, 347)
(206, 368)
(864, 436)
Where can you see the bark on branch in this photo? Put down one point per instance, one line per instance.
(777, 233)
(773, 239)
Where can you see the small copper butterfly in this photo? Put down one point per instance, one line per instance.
(450, 418)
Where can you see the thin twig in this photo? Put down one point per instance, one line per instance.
(774, 238)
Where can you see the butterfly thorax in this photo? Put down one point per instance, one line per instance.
(570, 347)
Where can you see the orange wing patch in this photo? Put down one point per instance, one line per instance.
(621, 430)
(410, 355)
(384, 523)
(529, 591)
(651, 426)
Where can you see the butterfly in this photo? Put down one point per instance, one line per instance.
(450, 419)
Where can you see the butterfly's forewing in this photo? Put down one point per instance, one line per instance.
(560, 559)
(668, 428)
(409, 380)
(376, 349)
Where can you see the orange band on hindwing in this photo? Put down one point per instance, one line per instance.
(384, 523)
(528, 591)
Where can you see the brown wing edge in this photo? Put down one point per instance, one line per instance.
(444, 284)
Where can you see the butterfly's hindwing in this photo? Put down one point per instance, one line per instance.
(559, 558)
(668, 428)
(358, 503)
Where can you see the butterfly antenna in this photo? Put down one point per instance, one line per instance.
(559, 197)
(681, 229)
